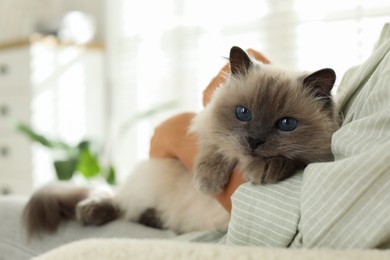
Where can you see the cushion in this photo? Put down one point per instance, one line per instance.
(95, 249)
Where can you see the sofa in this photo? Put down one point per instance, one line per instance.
(339, 210)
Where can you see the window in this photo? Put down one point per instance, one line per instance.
(169, 50)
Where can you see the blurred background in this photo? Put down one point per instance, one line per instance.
(107, 72)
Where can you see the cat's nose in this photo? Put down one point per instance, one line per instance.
(254, 143)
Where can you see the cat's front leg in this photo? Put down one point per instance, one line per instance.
(212, 171)
(271, 170)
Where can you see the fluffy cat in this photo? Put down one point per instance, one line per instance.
(265, 119)
(159, 193)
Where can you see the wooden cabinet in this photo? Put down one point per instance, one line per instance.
(59, 90)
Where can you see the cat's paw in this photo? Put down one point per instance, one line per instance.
(212, 174)
(253, 171)
(269, 170)
(96, 211)
(278, 169)
(253, 176)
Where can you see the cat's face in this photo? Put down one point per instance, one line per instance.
(265, 112)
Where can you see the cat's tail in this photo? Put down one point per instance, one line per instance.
(51, 204)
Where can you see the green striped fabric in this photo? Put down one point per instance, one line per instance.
(340, 204)
(250, 224)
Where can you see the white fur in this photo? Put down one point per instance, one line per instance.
(166, 186)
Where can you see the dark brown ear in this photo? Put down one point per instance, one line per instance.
(321, 81)
(239, 61)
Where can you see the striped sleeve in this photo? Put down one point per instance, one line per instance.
(265, 215)
(341, 204)
(346, 203)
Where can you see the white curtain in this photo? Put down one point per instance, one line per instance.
(161, 51)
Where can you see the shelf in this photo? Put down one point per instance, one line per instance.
(49, 40)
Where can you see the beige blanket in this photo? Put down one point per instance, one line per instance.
(95, 249)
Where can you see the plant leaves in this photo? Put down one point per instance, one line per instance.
(34, 136)
(111, 175)
(88, 164)
(26, 130)
(81, 158)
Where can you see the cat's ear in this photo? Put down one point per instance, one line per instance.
(321, 80)
(239, 61)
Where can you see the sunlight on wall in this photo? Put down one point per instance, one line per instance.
(71, 104)
(59, 86)
(61, 108)
(340, 45)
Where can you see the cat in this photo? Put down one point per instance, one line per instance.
(159, 193)
(266, 120)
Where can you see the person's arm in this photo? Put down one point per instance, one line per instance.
(172, 140)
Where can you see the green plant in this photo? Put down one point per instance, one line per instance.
(81, 158)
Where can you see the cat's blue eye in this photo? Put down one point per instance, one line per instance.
(243, 114)
(287, 124)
